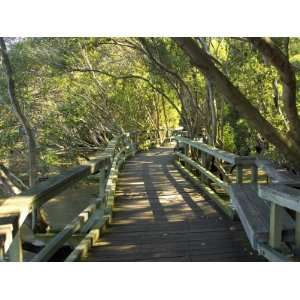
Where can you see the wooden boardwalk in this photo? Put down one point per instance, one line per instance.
(160, 216)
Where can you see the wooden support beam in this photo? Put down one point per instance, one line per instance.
(102, 183)
(239, 174)
(275, 236)
(254, 173)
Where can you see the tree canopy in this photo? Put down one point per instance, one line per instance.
(61, 98)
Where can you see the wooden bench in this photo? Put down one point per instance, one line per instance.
(254, 213)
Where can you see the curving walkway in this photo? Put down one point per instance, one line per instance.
(160, 216)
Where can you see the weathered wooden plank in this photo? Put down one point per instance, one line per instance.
(254, 212)
(220, 154)
(278, 174)
(281, 194)
(205, 172)
(236, 195)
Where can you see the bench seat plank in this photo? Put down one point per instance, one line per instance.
(254, 212)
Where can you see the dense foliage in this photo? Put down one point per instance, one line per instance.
(77, 93)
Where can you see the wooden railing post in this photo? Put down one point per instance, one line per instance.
(34, 217)
(275, 226)
(102, 183)
(239, 173)
(254, 173)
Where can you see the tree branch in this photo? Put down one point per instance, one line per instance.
(287, 74)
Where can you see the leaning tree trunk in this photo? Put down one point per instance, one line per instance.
(213, 112)
(211, 101)
(30, 140)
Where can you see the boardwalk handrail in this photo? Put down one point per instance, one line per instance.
(17, 208)
(276, 173)
(223, 156)
(220, 154)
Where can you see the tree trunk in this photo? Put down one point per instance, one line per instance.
(32, 150)
(213, 113)
(276, 102)
(30, 140)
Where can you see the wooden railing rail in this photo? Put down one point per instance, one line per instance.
(277, 174)
(18, 208)
(187, 164)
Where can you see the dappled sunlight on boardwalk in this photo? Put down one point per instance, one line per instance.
(160, 216)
